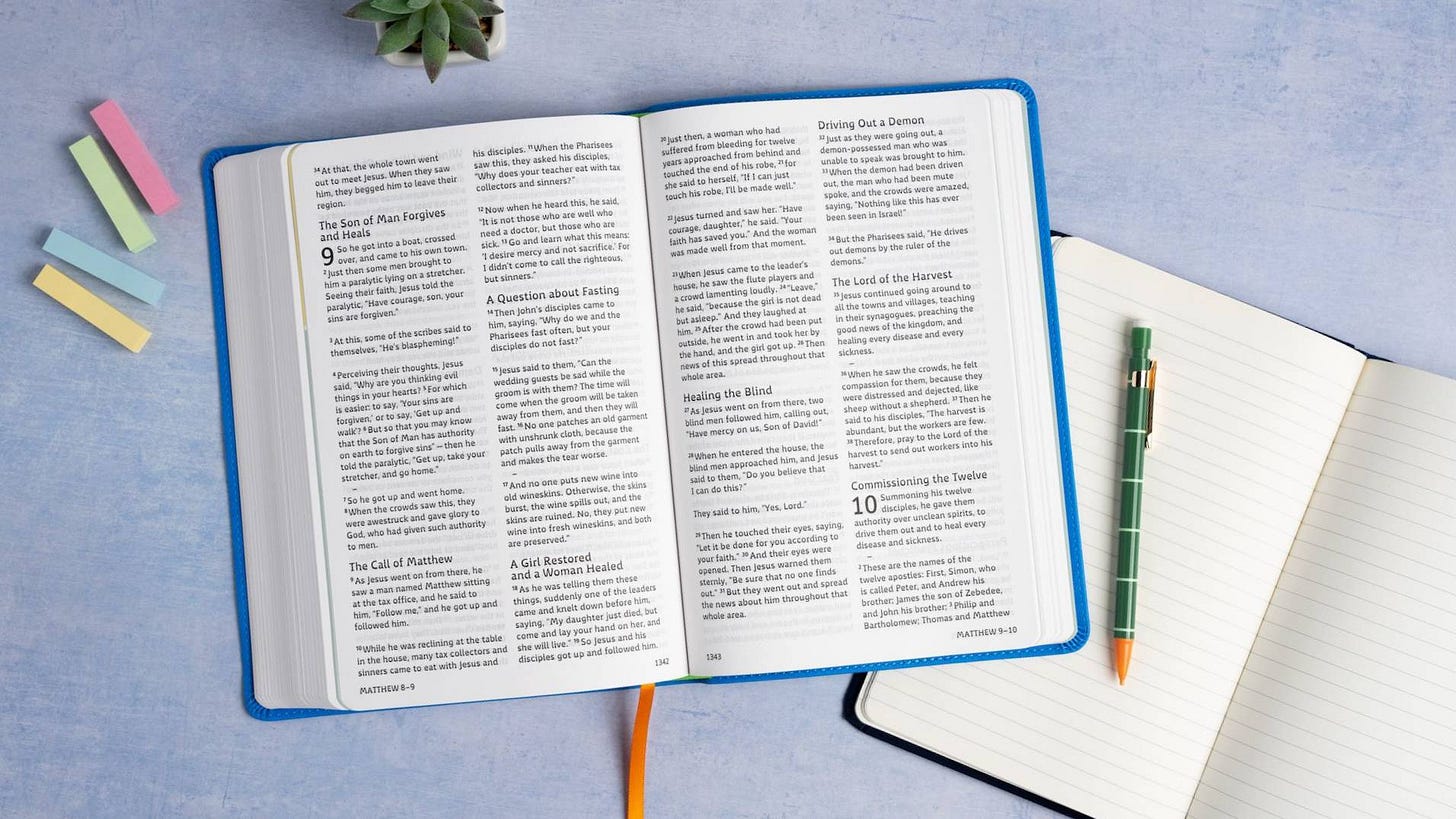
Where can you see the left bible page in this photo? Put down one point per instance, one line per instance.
(480, 346)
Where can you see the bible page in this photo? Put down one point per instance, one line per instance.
(1245, 408)
(1346, 705)
(480, 346)
(857, 380)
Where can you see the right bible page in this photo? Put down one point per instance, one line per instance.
(1346, 704)
(857, 380)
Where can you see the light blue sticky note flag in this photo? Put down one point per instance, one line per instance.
(116, 273)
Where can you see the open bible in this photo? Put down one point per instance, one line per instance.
(723, 390)
(1293, 655)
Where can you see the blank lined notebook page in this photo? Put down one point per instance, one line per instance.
(1245, 410)
(1348, 704)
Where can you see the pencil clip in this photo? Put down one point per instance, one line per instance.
(1152, 395)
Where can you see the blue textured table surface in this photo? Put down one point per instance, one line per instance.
(1297, 155)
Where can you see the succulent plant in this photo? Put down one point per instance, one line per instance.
(434, 24)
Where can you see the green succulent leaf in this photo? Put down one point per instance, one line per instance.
(398, 37)
(417, 4)
(400, 7)
(366, 11)
(435, 49)
(470, 40)
(484, 8)
(437, 20)
(461, 15)
(416, 23)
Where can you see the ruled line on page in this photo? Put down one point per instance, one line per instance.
(1385, 510)
(1411, 454)
(1309, 789)
(1386, 420)
(1394, 635)
(1270, 718)
(1446, 461)
(1223, 766)
(1348, 525)
(1395, 424)
(1298, 581)
(1432, 509)
(1287, 706)
(1278, 652)
(1384, 593)
(1312, 529)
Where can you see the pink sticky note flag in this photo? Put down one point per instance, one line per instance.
(134, 156)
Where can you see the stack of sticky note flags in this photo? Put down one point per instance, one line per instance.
(129, 224)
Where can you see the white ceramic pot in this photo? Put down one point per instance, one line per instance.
(494, 44)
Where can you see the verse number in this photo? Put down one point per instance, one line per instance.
(866, 505)
(714, 656)
(328, 254)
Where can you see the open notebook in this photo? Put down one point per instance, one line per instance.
(1295, 652)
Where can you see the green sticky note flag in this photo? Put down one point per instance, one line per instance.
(107, 185)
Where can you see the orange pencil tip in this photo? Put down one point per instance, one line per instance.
(1122, 655)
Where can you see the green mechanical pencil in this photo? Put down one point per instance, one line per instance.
(1142, 373)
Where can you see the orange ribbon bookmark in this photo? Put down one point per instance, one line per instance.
(637, 762)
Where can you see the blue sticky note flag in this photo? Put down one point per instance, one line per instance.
(114, 272)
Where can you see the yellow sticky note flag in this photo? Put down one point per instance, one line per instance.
(89, 306)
